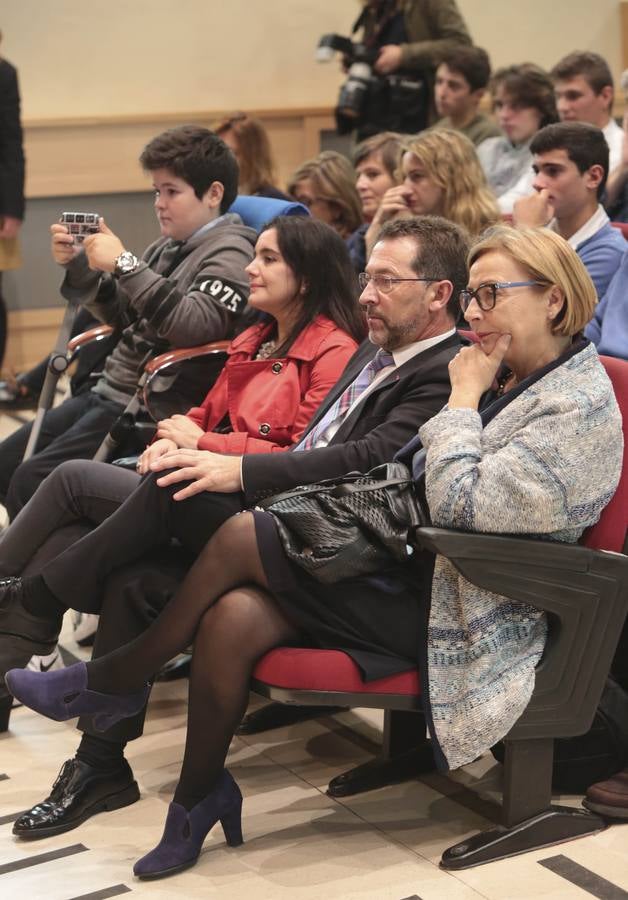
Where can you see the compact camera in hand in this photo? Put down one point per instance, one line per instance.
(80, 224)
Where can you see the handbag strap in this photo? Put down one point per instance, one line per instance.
(344, 488)
(337, 487)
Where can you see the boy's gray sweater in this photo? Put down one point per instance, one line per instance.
(160, 306)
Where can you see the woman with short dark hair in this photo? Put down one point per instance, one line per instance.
(376, 161)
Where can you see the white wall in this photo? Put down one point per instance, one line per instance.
(542, 31)
(78, 58)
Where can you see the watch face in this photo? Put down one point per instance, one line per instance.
(126, 262)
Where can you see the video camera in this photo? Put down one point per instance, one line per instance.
(354, 92)
(371, 102)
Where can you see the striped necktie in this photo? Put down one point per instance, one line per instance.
(357, 387)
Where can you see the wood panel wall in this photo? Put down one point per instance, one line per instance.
(87, 156)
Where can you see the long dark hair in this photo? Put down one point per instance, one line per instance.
(319, 261)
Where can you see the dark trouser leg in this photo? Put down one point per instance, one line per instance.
(73, 430)
(79, 490)
(147, 519)
(12, 652)
(133, 598)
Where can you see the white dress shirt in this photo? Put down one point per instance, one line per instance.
(614, 138)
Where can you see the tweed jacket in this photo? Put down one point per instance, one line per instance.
(545, 466)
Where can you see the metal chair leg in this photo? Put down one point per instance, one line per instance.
(530, 822)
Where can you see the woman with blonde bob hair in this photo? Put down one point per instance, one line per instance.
(548, 260)
(515, 451)
(440, 176)
(326, 185)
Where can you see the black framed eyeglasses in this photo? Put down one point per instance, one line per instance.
(486, 294)
(384, 283)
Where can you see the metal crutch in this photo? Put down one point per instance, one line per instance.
(58, 362)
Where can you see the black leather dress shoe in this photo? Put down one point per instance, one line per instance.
(79, 792)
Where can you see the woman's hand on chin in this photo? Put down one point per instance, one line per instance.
(472, 372)
(205, 470)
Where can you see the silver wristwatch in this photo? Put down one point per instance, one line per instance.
(125, 263)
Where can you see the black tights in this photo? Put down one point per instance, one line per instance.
(223, 609)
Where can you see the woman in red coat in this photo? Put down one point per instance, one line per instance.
(279, 370)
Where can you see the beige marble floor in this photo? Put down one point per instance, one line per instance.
(383, 845)
(299, 843)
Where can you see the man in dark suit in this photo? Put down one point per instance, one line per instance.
(397, 379)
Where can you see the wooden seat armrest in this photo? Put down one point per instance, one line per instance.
(584, 591)
(87, 337)
(155, 365)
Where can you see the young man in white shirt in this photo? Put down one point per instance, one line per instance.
(584, 90)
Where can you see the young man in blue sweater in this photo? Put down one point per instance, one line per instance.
(571, 166)
(608, 329)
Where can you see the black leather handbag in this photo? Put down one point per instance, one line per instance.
(349, 526)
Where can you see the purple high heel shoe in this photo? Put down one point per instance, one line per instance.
(184, 831)
(63, 694)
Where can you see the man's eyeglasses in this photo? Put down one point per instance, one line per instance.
(486, 294)
(385, 283)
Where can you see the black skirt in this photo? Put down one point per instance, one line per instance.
(375, 619)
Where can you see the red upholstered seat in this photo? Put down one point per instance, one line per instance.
(326, 670)
(610, 532)
(621, 226)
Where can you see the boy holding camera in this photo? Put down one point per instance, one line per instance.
(188, 287)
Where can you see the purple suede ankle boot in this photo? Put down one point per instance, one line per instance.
(63, 694)
(184, 831)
